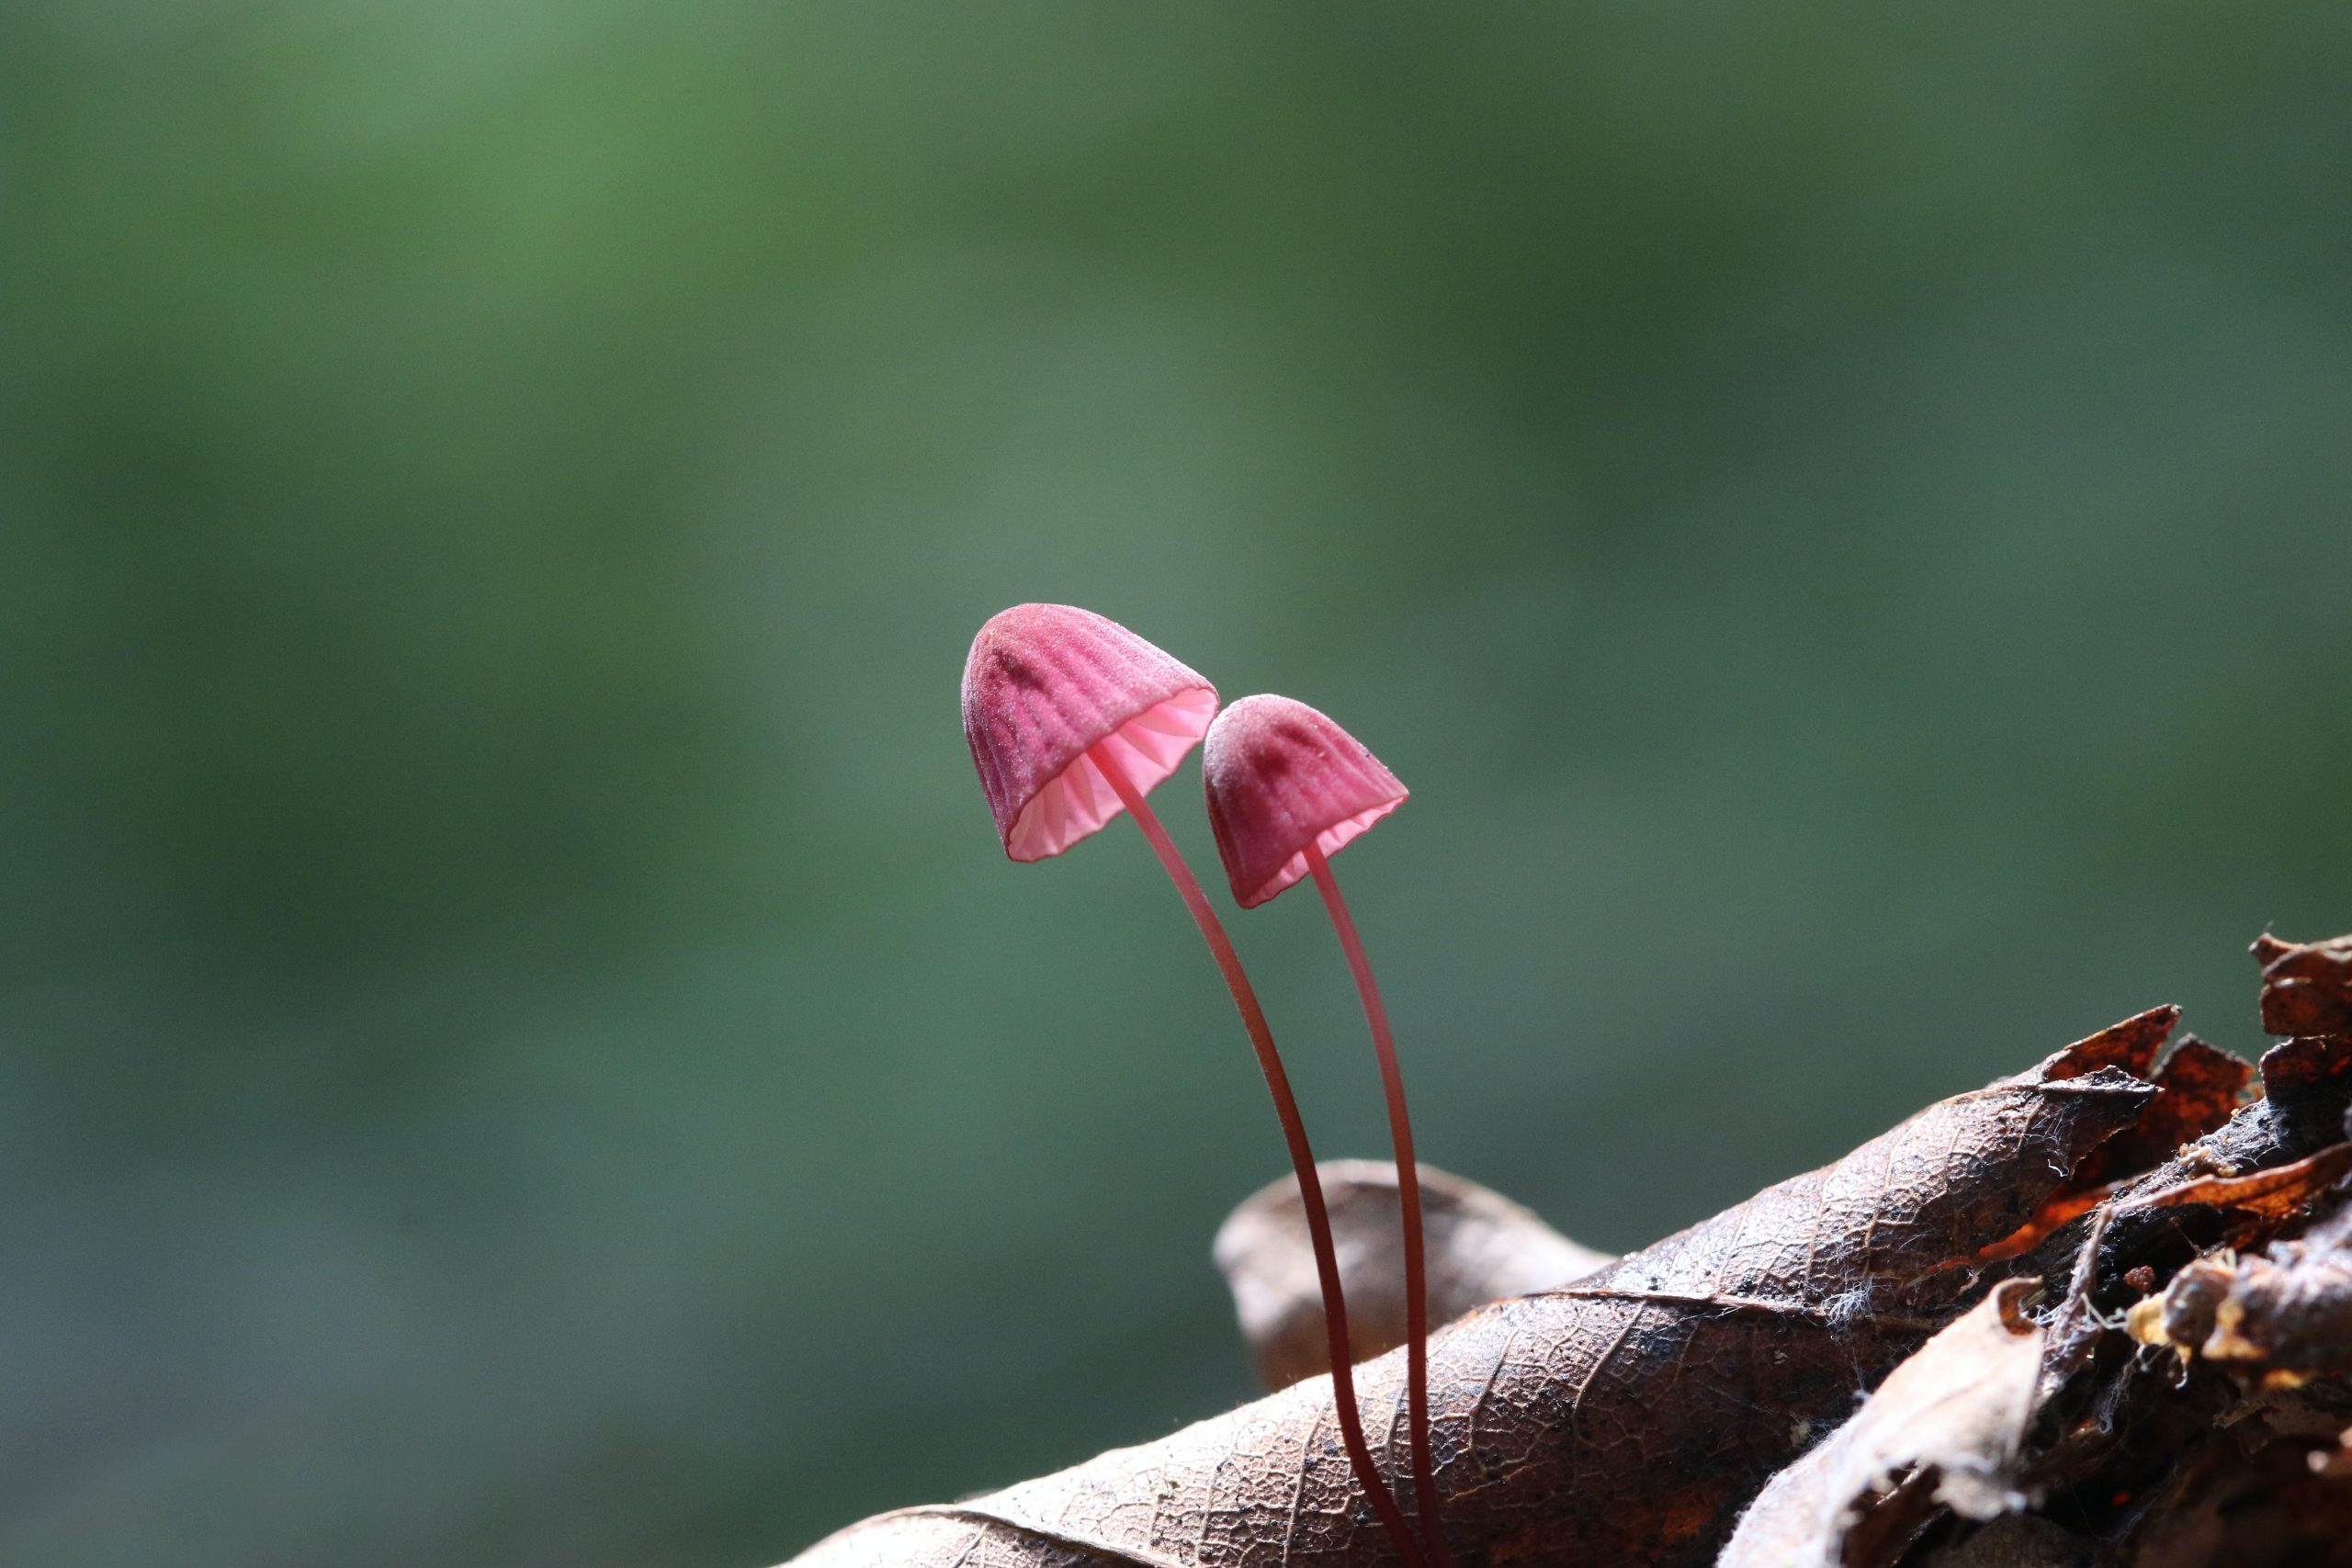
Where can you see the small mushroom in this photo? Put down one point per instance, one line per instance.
(1287, 789)
(1071, 719)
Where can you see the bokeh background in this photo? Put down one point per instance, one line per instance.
(518, 1043)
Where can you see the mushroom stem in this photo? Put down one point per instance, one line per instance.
(1301, 1157)
(1408, 1199)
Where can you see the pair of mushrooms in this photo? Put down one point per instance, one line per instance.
(1072, 718)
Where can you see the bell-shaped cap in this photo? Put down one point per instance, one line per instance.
(1044, 684)
(1280, 777)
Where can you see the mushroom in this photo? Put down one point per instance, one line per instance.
(1071, 719)
(1287, 789)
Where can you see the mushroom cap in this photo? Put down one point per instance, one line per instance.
(1281, 776)
(1045, 681)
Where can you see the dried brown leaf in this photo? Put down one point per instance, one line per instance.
(2197, 1091)
(1621, 1420)
(2129, 1046)
(1954, 1415)
(2199, 1088)
(1479, 1246)
(2306, 987)
(2307, 1080)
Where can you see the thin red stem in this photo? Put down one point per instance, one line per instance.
(1301, 1157)
(1408, 1198)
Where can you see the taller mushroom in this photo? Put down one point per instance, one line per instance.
(1071, 719)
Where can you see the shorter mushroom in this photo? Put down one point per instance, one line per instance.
(1287, 789)
(1072, 718)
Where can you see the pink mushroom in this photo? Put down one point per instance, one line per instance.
(1071, 719)
(1287, 789)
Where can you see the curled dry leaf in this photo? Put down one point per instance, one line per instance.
(2160, 1464)
(2199, 1088)
(2270, 1195)
(1479, 1246)
(2306, 987)
(1619, 1420)
(2306, 1085)
(1954, 1416)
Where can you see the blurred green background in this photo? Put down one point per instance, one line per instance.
(518, 1046)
